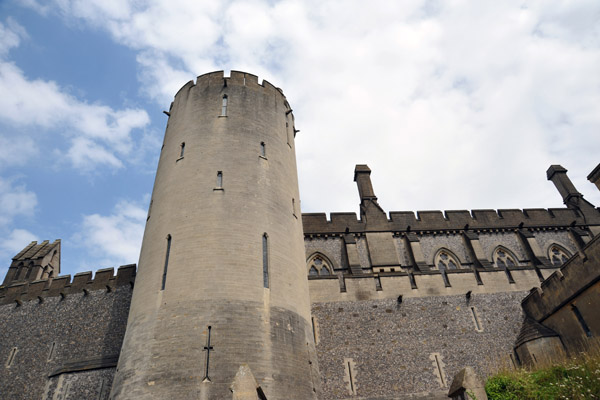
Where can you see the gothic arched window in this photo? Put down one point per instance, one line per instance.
(504, 258)
(20, 270)
(29, 270)
(319, 265)
(557, 255)
(445, 260)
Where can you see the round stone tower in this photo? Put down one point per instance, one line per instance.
(221, 308)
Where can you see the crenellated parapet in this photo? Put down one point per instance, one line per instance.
(452, 220)
(565, 284)
(579, 214)
(105, 279)
(217, 79)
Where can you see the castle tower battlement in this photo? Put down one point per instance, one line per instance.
(221, 280)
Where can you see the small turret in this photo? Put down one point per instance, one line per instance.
(35, 262)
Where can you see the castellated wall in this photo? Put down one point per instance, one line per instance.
(567, 302)
(390, 324)
(61, 339)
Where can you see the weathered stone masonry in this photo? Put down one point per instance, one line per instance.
(67, 335)
(400, 302)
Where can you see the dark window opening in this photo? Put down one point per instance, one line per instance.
(263, 149)
(582, 322)
(265, 254)
(11, 357)
(164, 278)
(224, 106)
(477, 323)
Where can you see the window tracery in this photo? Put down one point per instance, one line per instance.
(319, 265)
(557, 255)
(504, 258)
(445, 260)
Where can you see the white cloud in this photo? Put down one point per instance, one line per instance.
(16, 151)
(12, 244)
(15, 200)
(113, 239)
(90, 128)
(452, 104)
(10, 35)
(98, 134)
(16, 241)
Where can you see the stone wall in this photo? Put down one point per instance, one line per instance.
(567, 302)
(63, 346)
(384, 349)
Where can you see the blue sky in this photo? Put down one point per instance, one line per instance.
(454, 104)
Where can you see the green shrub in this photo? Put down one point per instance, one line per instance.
(504, 387)
(577, 380)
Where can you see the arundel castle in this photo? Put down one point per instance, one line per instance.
(238, 295)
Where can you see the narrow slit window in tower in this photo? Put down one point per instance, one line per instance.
(582, 322)
(164, 278)
(263, 149)
(182, 150)
(51, 352)
(219, 179)
(288, 133)
(294, 207)
(101, 390)
(224, 106)
(439, 368)
(476, 320)
(149, 210)
(11, 357)
(265, 254)
(350, 377)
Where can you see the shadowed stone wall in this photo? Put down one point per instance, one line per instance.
(69, 334)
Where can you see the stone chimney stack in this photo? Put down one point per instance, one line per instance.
(594, 176)
(362, 177)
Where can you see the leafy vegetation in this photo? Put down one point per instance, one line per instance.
(577, 379)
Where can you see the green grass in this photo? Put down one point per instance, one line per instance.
(576, 379)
